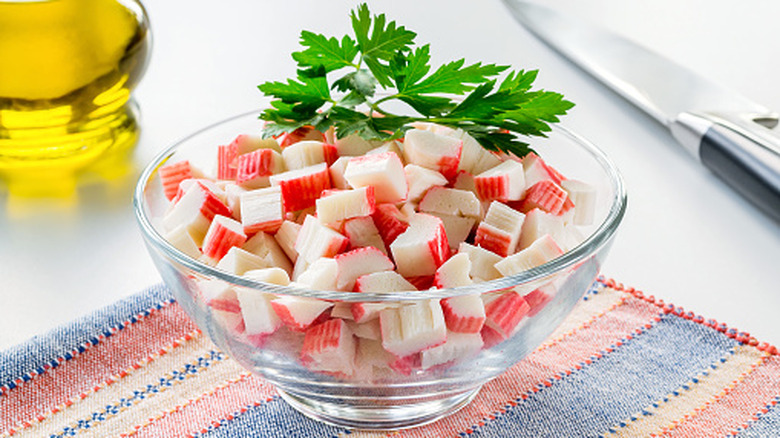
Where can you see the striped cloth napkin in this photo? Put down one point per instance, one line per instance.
(623, 364)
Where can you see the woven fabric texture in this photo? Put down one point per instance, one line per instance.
(623, 364)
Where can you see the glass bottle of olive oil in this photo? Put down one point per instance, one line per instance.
(67, 68)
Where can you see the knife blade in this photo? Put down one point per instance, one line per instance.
(728, 133)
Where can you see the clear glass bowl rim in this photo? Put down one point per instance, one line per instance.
(591, 245)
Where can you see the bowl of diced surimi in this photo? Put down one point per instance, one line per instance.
(377, 284)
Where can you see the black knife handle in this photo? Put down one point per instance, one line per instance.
(747, 162)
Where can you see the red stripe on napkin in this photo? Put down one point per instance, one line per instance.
(92, 367)
(737, 406)
(220, 402)
(547, 363)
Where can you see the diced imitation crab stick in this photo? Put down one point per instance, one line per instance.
(422, 248)
(504, 182)
(300, 188)
(433, 151)
(384, 172)
(434, 210)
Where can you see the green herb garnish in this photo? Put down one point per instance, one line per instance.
(382, 56)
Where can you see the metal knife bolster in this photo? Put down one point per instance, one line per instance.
(742, 152)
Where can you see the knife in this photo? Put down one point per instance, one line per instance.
(726, 132)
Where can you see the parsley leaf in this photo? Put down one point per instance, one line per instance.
(453, 78)
(382, 57)
(328, 53)
(384, 41)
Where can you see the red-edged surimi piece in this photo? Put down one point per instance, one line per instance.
(433, 151)
(535, 170)
(383, 281)
(329, 347)
(301, 187)
(223, 234)
(308, 153)
(181, 239)
(583, 196)
(362, 232)
(500, 231)
(464, 181)
(301, 134)
(547, 196)
(286, 236)
(262, 210)
(422, 248)
(336, 171)
(364, 311)
(454, 272)
(253, 169)
(315, 240)
(195, 210)
(207, 200)
(389, 221)
(257, 312)
(505, 312)
(538, 253)
(385, 172)
(537, 223)
(482, 262)
(473, 158)
(504, 182)
(493, 239)
(233, 198)
(412, 328)
(212, 186)
(238, 261)
(173, 174)
(459, 346)
(227, 155)
(226, 161)
(538, 298)
(265, 246)
(358, 262)
(339, 205)
(420, 180)
(458, 228)
(320, 274)
(464, 314)
(299, 313)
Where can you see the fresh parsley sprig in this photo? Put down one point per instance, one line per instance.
(382, 56)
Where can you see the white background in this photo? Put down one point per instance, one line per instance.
(686, 238)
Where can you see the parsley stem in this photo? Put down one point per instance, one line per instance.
(384, 57)
(386, 98)
(375, 105)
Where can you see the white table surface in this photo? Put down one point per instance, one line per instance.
(686, 238)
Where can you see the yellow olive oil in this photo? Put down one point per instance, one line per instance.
(67, 68)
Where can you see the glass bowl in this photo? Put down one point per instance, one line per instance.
(381, 391)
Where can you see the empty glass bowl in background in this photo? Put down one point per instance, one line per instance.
(381, 395)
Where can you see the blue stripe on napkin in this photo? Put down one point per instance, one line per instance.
(621, 383)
